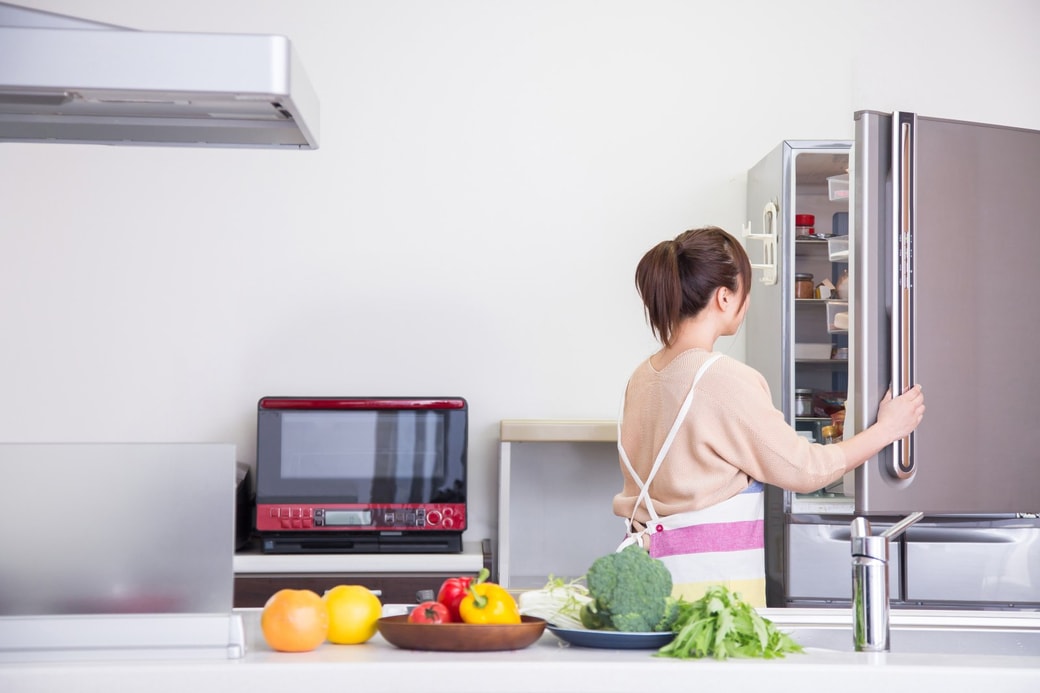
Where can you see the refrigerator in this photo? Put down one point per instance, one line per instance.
(931, 220)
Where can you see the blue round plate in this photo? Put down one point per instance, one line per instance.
(611, 639)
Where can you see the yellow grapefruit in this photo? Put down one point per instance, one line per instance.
(353, 611)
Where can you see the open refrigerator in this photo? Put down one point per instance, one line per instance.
(898, 229)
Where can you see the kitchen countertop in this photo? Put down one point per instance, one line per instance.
(546, 667)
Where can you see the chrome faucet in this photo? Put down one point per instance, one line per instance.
(870, 594)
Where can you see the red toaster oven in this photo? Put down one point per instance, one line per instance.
(366, 475)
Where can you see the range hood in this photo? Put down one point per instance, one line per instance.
(65, 79)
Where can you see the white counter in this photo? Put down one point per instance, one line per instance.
(545, 667)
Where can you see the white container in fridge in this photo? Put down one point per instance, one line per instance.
(838, 187)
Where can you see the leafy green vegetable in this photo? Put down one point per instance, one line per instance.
(631, 592)
(720, 624)
(559, 602)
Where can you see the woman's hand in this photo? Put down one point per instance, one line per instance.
(899, 416)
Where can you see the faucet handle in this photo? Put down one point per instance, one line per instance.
(900, 527)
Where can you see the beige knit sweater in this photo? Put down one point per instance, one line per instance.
(732, 434)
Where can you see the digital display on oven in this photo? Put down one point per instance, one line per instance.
(347, 518)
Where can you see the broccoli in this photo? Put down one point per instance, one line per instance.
(631, 592)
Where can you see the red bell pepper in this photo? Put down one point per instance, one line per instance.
(451, 594)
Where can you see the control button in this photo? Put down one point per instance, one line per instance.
(272, 512)
(448, 512)
(308, 523)
(297, 512)
(286, 523)
(448, 522)
(297, 524)
(433, 517)
(308, 512)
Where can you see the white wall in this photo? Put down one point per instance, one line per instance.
(489, 174)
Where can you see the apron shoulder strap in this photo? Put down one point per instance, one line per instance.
(644, 487)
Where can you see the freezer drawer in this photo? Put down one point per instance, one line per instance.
(973, 564)
(820, 563)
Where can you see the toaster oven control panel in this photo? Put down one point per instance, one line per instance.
(282, 517)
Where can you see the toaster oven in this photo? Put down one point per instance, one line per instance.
(366, 475)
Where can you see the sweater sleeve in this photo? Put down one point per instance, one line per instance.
(753, 435)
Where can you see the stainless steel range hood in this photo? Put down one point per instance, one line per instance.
(65, 79)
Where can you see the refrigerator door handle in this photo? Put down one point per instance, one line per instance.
(902, 464)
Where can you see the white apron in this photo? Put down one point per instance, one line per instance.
(721, 544)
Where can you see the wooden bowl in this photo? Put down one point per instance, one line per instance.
(459, 637)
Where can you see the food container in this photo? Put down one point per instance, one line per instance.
(805, 225)
(842, 289)
(838, 248)
(838, 187)
(826, 403)
(830, 435)
(803, 402)
(806, 351)
(803, 286)
(837, 316)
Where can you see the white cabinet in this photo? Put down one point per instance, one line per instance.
(557, 480)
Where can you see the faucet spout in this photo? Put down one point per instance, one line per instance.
(870, 588)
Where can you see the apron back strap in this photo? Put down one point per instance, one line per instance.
(644, 487)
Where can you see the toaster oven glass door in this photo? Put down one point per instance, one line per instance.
(362, 456)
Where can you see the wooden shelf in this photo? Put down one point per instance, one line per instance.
(558, 431)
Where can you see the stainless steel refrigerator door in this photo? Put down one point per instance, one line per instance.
(945, 249)
(767, 314)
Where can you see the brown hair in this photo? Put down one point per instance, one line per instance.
(677, 278)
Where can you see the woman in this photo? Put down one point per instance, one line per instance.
(698, 434)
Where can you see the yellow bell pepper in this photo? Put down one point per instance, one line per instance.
(489, 603)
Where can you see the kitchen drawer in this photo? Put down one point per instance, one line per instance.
(973, 564)
(255, 590)
(820, 563)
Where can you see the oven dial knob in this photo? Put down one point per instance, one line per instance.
(448, 523)
(433, 517)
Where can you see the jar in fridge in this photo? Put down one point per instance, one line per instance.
(805, 226)
(803, 402)
(803, 285)
(830, 435)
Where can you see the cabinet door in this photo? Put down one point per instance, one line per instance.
(555, 514)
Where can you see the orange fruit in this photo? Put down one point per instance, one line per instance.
(294, 621)
(353, 612)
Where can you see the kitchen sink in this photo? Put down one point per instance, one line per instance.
(1010, 633)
